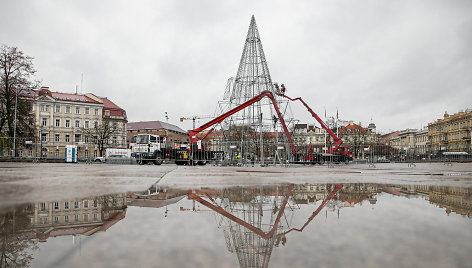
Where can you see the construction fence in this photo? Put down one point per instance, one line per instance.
(232, 152)
(22, 148)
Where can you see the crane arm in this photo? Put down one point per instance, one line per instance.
(192, 133)
(337, 140)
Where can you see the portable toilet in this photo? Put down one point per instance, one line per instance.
(71, 154)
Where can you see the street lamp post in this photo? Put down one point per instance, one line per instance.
(14, 124)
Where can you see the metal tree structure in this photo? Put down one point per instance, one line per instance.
(259, 208)
(252, 128)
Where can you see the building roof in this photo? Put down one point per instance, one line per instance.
(82, 98)
(352, 128)
(115, 111)
(148, 125)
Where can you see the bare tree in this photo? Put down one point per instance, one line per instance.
(101, 134)
(16, 78)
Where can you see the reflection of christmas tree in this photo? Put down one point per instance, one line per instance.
(261, 211)
(16, 248)
(251, 219)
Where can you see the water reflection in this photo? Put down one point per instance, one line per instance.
(253, 220)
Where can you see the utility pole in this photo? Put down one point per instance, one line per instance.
(14, 124)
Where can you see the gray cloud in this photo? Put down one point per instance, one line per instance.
(401, 63)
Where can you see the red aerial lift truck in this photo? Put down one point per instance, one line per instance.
(335, 153)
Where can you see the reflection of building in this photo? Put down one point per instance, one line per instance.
(155, 197)
(453, 199)
(248, 214)
(78, 216)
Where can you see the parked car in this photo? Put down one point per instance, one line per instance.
(100, 159)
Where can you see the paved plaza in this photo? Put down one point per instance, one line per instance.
(27, 182)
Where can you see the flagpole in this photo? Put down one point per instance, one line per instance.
(325, 133)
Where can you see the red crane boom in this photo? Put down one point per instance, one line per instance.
(337, 140)
(192, 133)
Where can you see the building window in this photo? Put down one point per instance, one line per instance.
(95, 203)
(86, 124)
(56, 205)
(85, 217)
(56, 219)
(44, 137)
(77, 109)
(77, 123)
(87, 110)
(67, 138)
(67, 122)
(43, 220)
(42, 108)
(86, 139)
(66, 205)
(58, 108)
(57, 139)
(77, 137)
(96, 111)
(56, 153)
(67, 109)
(76, 204)
(86, 204)
(42, 206)
(95, 217)
(95, 124)
(107, 113)
(76, 218)
(44, 122)
(66, 218)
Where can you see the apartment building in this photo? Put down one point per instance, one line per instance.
(61, 119)
(65, 119)
(452, 133)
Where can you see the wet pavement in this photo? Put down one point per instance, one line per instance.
(393, 215)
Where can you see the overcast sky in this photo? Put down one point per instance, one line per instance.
(399, 63)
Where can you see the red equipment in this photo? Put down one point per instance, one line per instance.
(192, 133)
(336, 148)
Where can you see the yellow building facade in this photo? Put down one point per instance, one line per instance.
(60, 120)
(452, 133)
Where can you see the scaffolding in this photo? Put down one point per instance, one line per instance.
(247, 132)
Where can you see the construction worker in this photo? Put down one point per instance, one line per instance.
(283, 89)
(277, 88)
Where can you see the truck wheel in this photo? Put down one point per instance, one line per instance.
(157, 162)
(202, 163)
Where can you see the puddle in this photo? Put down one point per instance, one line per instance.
(325, 225)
